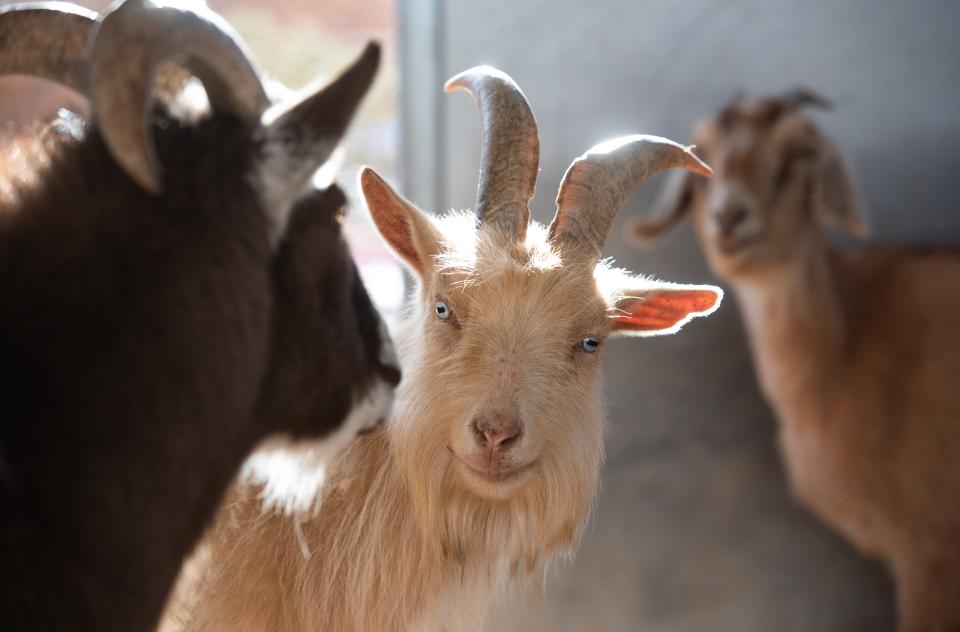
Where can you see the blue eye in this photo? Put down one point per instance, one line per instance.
(443, 312)
(590, 344)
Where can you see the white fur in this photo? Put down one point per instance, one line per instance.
(293, 470)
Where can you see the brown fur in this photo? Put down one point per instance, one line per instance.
(858, 354)
(136, 333)
(404, 533)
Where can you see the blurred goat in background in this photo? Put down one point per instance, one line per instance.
(858, 354)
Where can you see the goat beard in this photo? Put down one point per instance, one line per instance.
(510, 538)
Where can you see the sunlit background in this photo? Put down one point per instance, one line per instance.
(298, 42)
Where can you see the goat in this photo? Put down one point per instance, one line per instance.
(856, 353)
(173, 290)
(490, 463)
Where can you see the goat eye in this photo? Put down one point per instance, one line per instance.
(443, 312)
(590, 344)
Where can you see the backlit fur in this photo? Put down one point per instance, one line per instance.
(402, 535)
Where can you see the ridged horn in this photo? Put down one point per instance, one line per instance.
(133, 40)
(598, 183)
(309, 130)
(510, 153)
(47, 40)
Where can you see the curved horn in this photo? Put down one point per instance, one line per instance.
(129, 46)
(510, 154)
(598, 183)
(302, 135)
(668, 209)
(47, 40)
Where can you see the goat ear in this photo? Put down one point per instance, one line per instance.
(835, 199)
(659, 308)
(671, 205)
(408, 230)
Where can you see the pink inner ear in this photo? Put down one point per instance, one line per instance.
(663, 310)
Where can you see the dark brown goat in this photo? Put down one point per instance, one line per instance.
(171, 294)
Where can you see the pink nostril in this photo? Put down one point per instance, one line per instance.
(496, 431)
(498, 438)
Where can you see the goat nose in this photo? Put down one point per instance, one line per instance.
(497, 431)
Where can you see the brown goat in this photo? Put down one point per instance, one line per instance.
(172, 292)
(858, 354)
(490, 464)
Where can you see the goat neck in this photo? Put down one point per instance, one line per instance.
(796, 324)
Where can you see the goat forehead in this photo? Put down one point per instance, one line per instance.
(512, 287)
(750, 132)
(793, 128)
(749, 148)
(536, 303)
(735, 157)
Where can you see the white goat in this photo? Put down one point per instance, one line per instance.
(858, 355)
(490, 464)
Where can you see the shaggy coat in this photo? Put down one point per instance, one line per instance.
(490, 462)
(408, 531)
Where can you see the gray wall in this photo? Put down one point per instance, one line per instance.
(695, 528)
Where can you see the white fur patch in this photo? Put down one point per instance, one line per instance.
(292, 472)
(366, 414)
(191, 102)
